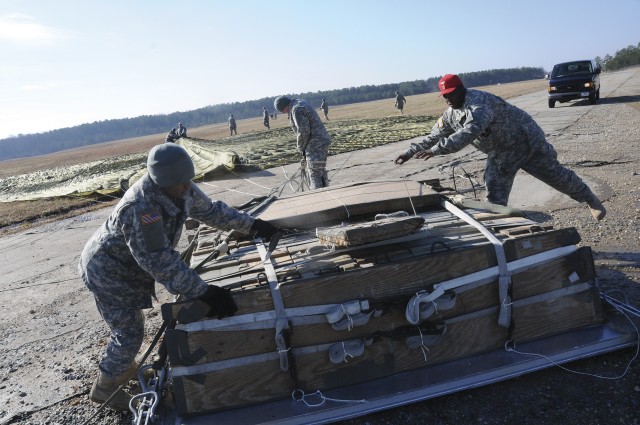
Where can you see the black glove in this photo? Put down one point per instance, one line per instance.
(220, 301)
(263, 229)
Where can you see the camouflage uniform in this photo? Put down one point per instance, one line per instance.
(172, 136)
(182, 130)
(325, 109)
(313, 141)
(265, 118)
(511, 139)
(232, 125)
(133, 249)
(400, 101)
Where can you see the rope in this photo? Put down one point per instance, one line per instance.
(230, 190)
(510, 347)
(300, 397)
(410, 200)
(343, 164)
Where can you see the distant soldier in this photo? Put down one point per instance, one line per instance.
(135, 247)
(265, 117)
(313, 140)
(508, 135)
(325, 108)
(172, 136)
(400, 101)
(232, 125)
(182, 130)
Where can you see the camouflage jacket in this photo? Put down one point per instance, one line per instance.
(486, 121)
(306, 123)
(135, 246)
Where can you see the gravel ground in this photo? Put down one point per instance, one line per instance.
(45, 379)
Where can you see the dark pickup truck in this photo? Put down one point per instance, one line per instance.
(574, 80)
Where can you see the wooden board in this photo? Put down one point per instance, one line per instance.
(387, 280)
(223, 344)
(466, 335)
(309, 209)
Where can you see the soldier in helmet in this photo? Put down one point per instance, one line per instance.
(508, 135)
(313, 140)
(135, 247)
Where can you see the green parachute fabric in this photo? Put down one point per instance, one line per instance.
(111, 176)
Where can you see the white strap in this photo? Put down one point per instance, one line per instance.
(485, 276)
(351, 321)
(338, 312)
(341, 352)
(281, 315)
(504, 280)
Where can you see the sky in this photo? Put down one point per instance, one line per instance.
(69, 62)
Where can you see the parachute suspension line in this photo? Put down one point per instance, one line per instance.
(249, 181)
(230, 190)
(466, 175)
(410, 200)
(511, 348)
(343, 164)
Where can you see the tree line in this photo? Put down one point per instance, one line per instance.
(25, 145)
(629, 56)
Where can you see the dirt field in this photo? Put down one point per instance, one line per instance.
(51, 336)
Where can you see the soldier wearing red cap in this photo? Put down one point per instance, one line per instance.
(508, 135)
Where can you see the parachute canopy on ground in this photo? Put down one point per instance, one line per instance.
(110, 176)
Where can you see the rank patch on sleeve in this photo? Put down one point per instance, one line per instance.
(153, 230)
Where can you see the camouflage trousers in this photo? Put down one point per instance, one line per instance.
(540, 163)
(127, 333)
(317, 167)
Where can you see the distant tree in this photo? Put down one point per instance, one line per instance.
(629, 56)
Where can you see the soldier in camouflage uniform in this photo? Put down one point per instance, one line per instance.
(313, 140)
(232, 125)
(265, 117)
(325, 108)
(182, 130)
(172, 136)
(509, 136)
(135, 247)
(400, 101)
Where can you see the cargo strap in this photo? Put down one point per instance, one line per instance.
(504, 279)
(341, 352)
(281, 317)
(309, 315)
(444, 302)
(428, 337)
(412, 312)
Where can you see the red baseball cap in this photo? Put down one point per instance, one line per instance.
(449, 83)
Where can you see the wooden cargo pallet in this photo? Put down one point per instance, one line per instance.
(374, 296)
